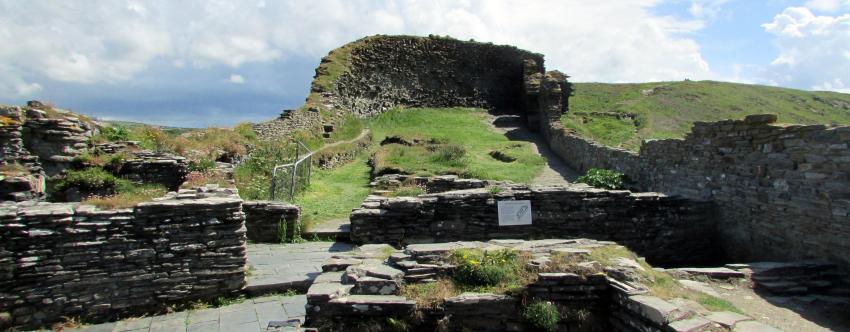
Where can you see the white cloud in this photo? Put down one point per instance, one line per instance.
(829, 6)
(236, 79)
(706, 9)
(112, 41)
(813, 50)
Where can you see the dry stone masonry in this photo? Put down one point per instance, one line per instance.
(364, 286)
(55, 136)
(22, 177)
(71, 260)
(782, 191)
(667, 230)
(264, 221)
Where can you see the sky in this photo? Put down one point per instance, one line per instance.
(197, 63)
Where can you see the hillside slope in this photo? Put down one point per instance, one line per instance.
(625, 114)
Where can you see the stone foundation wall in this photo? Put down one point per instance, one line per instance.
(263, 218)
(76, 261)
(782, 191)
(434, 184)
(667, 230)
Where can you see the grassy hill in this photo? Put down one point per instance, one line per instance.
(625, 114)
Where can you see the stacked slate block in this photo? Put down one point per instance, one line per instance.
(71, 260)
(263, 220)
(667, 230)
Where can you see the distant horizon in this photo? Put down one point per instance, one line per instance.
(231, 62)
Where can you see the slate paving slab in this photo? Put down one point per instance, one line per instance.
(252, 315)
(278, 267)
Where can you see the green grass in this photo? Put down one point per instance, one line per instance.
(334, 192)
(450, 128)
(671, 108)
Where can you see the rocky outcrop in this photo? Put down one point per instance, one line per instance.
(21, 175)
(69, 260)
(55, 136)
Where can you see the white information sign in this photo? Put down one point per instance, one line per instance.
(513, 213)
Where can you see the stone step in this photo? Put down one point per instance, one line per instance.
(371, 305)
(339, 231)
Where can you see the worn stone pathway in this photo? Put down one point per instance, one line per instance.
(252, 315)
(555, 171)
(278, 267)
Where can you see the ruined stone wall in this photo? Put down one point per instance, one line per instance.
(667, 230)
(22, 177)
(263, 220)
(782, 191)
(392, 71)
(55, 139)
(76, 261)
(167, 169)
(430, 184)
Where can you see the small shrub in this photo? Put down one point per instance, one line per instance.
(542, 316)
(90, 179)
(202, 165)
(281, 230)
(245, 130)
(603, 178)
(448, 153)
(495, 189)
(113, 134)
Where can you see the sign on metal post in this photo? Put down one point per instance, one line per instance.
(514, 213)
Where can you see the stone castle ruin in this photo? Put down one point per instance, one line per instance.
(738, 190)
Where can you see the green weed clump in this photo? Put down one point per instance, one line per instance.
(603, 178)
(87, 180)
(542, 316)
(477, 269)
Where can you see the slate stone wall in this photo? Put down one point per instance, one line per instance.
(263, 218)
(56, 140)
(391, 71)
(167, 169)
(24, 181)
(667, 230)
(782, 191)
(66, 259)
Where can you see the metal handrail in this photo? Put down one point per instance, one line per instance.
(294, 165)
